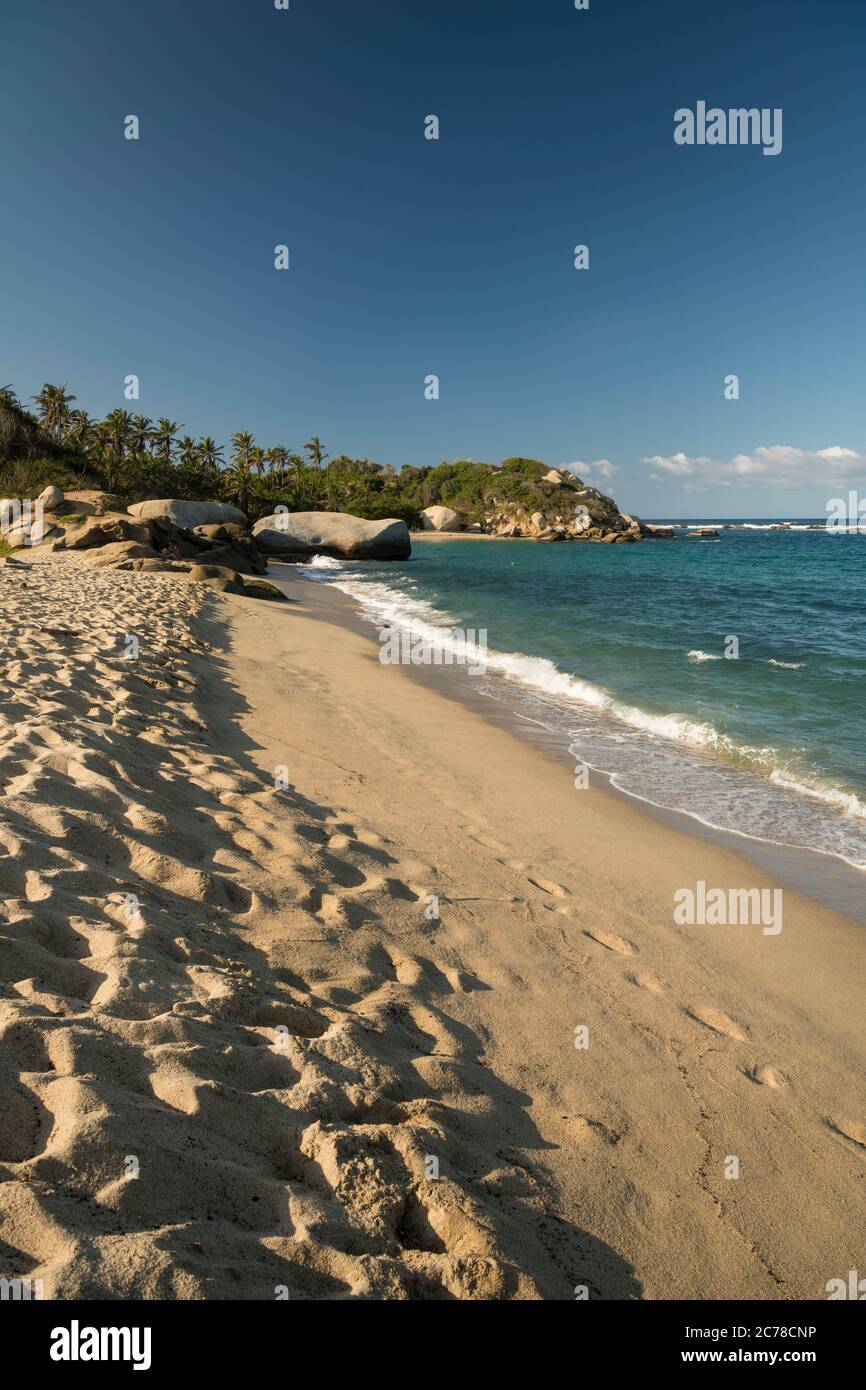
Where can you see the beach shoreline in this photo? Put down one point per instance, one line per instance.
(404, 1015)
(821, 875)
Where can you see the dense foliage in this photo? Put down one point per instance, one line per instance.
(135, 457)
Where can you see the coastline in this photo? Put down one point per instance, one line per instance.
(590, 877)
(825, 877)
(285, 1039)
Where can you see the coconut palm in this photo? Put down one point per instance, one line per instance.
(188, 450)
(209, 454)
(80, 431)
(118, 432)
(142, 433)
(278, 458)
(53, 403)
(258, 458)
(316, 452)
(243, 444)
(164, 437)
(238, 476)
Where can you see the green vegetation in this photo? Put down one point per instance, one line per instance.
(134, 457)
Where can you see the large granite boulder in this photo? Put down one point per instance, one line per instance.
(185, 515)
(241, 555)
(217, 577)
(332, 533)
(116, 553)
(52, 499)
(441, 519)
(104, 530)
(263, 588)
(226, 581)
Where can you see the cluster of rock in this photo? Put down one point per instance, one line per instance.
(208, 542)
(574, 513)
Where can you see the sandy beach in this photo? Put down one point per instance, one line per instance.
(317, 984)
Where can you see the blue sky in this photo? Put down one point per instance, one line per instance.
(411, 257)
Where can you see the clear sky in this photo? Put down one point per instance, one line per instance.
(454, 257)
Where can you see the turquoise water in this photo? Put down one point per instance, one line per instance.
(621, 650)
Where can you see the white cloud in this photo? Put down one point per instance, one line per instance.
(599, 469)
(779, 465)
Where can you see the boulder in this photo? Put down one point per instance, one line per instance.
(119, 552)
(91, 502)
(187, 515)
(241, 556)
(217, 577)
(103, 530)
(149, 565)
(332, 533)
(21, 536)
(441, 519)
(262, 588)
(223, 531)
(52, 499)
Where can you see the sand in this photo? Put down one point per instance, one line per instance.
(244, 1058)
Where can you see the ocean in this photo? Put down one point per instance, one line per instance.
(621, 651)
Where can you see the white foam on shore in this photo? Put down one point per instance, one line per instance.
(323, 562)
(385, 606)
(382, 605)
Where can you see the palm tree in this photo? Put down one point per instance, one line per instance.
(278, 458)
(118, 432)
(209, 454)
(243, 444)
(53, 403)
(236, 483)
(237, 477)
(316, 452)
(80, 431)
(142, 433)
(188, 450)
(164, 437)
(257, 460)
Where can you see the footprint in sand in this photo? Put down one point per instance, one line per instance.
(767, 1076)
(647, 981)
(547, 886)
(611, 942)
(849, 1129)
(487, 841)
(718, 1022)
(584, 1128)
